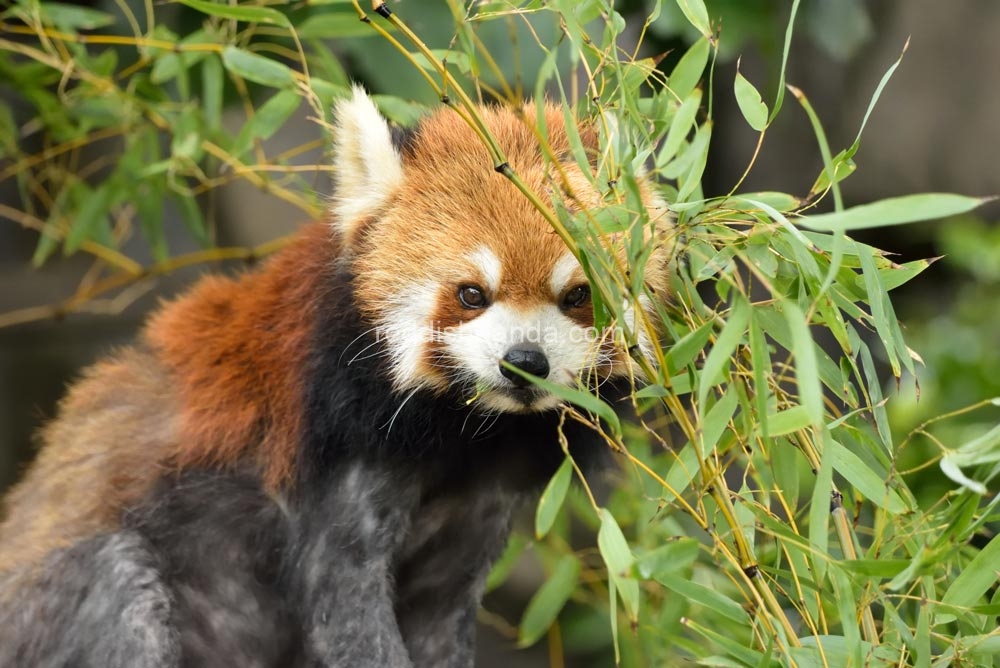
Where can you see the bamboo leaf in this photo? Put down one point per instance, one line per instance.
(688, 347)
(548, 601)
(579, 397)
(974, 579)
(552, 498)
(719, 358)
(71, 18)
(337, 25)
(90, 217)
(864, 479)
(697, 15)
(893, 211)
(251, 14)
(680, 127)
(806, 367)
(753, 108)
(258, 69)
(267, 120)
(674, 556)
(618, 558)
(715, 422)
(788, 421)
(702, 595)
(688, 70)
(505, 564)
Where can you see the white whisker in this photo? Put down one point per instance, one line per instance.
(392, 419)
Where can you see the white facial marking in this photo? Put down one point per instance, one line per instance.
(562, 273)
(405, 331)
(481, 343)
(489, 267)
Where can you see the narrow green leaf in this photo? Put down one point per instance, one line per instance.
(819, 512)
(48, 242)
(552, 498)
(267, 120)
(771, 203)
(505, 564)
(250, 14)
(753, 108)
(893, 211)
(923, 637)
(875, 96)
(548, 601)
(744, 655)
(788, 420)
(337, 25)
(883, 314)
(186, 141)
(786, 49)
(194, 220)
(702, 595)
(688, 347)
(450, 57)
(845, 599)
(898, 274)
(697, 15)
(613, 613)
(806, 367)
(864, 479)
(257, 68)
(824, 146)
(719, 358)
(212, 84)
(618, 557)
(697, 153)
(579, 397)
(975, 579)
(688, 70)
(71, 18)
(830, 651)
(89, 218)
(875, 568)
(840, 167)
(715, 422)
(675, 556)
(680, 127)
(636, 73)
(760, 358)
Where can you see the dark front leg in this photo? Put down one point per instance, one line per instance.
(346, 538)
(455, 542)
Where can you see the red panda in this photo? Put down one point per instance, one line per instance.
(315, 463)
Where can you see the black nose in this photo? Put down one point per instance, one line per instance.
(529, 360)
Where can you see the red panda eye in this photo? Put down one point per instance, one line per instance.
(577, 297)
(472, 297)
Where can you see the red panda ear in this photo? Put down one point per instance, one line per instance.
(367, 166)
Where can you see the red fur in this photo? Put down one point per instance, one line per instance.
(237, 349)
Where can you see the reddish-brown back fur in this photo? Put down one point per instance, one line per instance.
(96, 458)
(237, 349)
(214, 391)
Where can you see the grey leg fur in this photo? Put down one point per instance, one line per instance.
(343, 569)
(452, 548)
(99, 604)
(371, 572)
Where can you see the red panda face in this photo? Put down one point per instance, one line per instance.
(455, 272)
